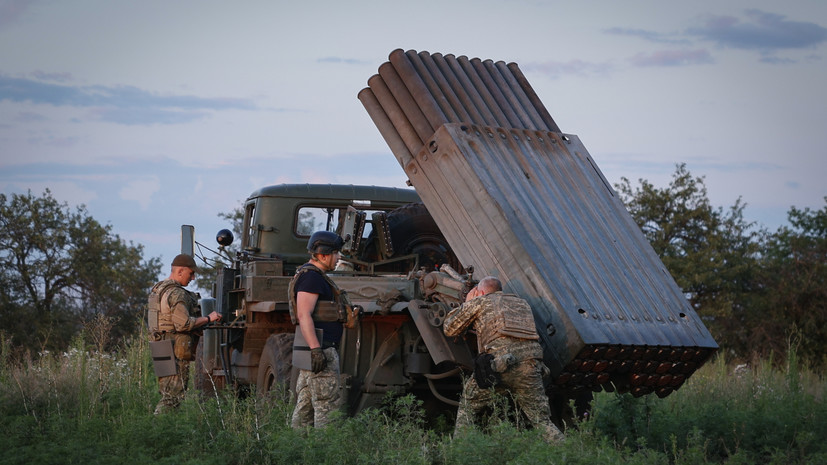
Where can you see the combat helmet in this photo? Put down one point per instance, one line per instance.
(325, 242)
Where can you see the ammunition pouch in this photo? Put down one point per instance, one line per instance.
(327, 312)
(484, 372)
(348, 315)
(354, 313)
(184, 346)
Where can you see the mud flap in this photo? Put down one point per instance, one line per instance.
(163, 359)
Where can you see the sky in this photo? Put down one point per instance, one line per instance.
(155, 114)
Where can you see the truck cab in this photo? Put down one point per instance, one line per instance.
(395, 266)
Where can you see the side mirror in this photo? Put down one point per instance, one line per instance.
(224, 237)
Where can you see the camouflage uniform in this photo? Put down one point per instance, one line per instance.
(505, 329)
(318, 394)
(176, 321)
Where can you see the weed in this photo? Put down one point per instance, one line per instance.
(90, 406)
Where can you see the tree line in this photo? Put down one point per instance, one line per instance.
(61, 269)
(759, 292)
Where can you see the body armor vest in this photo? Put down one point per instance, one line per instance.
(154, 304)
(336, 310)
(510, 316)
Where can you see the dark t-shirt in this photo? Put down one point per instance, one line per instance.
(315, 283)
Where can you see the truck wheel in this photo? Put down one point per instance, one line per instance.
(276, 376)
(414, 231)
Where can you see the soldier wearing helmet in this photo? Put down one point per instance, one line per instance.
(510, 356)
(175, 315)
(318, 388)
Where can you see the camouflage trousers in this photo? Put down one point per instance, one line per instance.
(317, 394)
(524, 382)
(172, 388)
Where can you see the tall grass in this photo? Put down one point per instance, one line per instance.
(86, 406)
(759, 414)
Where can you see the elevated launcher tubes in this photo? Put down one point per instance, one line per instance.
(518, 199)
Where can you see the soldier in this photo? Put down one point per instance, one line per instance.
(318, 388)
(510, 356)
(177, 319)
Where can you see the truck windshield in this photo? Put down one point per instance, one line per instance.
(311, 219)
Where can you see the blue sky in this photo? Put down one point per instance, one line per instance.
(156, 114)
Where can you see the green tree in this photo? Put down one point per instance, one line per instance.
(792, 303)
(61, 268)
(711, 253)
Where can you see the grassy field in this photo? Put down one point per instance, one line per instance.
(90, 408)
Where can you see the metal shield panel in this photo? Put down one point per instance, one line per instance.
(517, 198)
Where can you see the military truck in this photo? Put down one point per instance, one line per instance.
(499, 190)
(396, 267)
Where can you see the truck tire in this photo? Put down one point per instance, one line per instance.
(414, 231)
(276, 376)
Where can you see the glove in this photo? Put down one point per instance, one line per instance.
(484, 373)
(317, 360)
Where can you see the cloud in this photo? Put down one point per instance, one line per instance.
(126, 105)
(29, 117)
(347, 61)
(759, 30)
(11, 10)
(557, 69)
(71, 192)
(141, 190)
(649, 36)
(146, 116)
(767, 33)
(672, 58)
(711, 164)
(57, 77)
(54, 141)
(774, 60)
